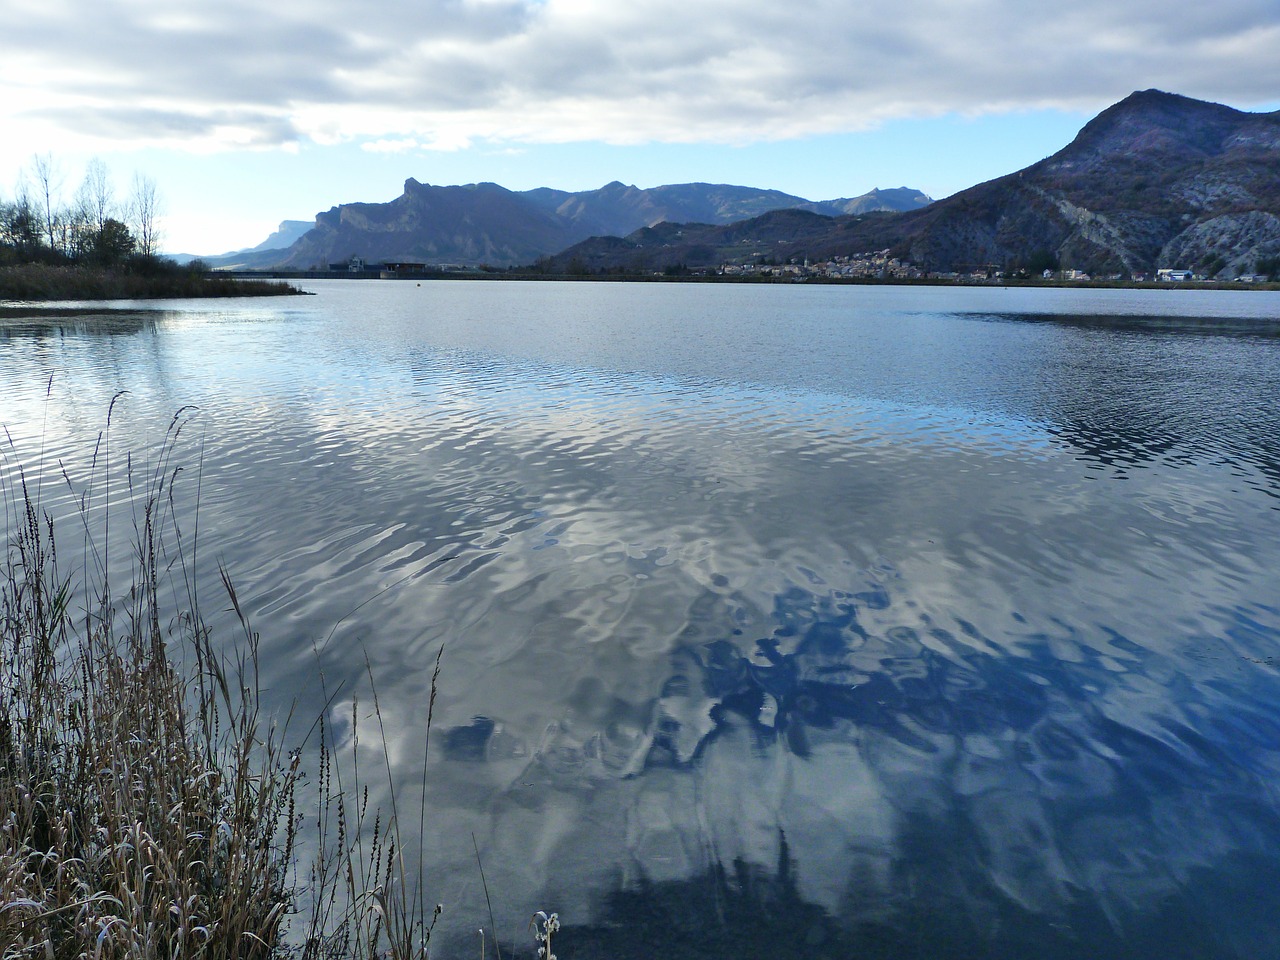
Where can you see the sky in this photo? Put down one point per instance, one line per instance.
(246, 113)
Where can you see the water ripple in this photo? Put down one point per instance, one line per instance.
(897, 616)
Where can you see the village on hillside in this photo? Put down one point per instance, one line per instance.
(879, 265)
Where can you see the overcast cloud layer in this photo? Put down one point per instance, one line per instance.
(406, 74)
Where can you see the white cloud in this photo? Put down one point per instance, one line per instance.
(402, 145)
(446, 73)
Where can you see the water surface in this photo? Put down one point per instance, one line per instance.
(813, 621)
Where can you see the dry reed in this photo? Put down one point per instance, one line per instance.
(148, 805)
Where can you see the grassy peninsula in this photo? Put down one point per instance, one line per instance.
(160, 280)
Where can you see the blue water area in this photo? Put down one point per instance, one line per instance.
(777, 621)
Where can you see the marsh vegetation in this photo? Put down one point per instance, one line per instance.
(150, 807)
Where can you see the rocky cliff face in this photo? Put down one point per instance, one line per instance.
(473, 224)
(1239, 241)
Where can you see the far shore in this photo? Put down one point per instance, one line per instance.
(517, 274)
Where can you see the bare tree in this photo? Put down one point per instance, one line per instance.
(79, 226)
(96, 196)
(144, 213)
(93, 206)
(38, 225)
(48, 177)
(20, 226)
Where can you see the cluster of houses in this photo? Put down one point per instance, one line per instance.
(1162, 275)
(877, 265)
(1166, 275)
(880, 266)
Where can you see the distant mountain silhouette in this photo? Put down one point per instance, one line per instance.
(262, 255)
(900, 199)
(285, 235)
(1157, 180)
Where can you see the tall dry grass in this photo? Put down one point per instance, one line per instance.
(39, 281)
(148, 804)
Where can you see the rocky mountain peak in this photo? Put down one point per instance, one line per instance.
(1151, 124)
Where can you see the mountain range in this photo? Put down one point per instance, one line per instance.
(1156, 180)
(484, 223)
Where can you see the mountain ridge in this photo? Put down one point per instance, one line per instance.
(485, 223)
(1155, 180)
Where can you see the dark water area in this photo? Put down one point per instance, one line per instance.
(822, 622)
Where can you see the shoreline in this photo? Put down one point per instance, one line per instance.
(478, 274)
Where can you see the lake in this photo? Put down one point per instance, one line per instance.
(788, 621)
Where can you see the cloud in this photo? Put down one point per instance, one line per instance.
(401, 145)
(238, 127)
(450, 72)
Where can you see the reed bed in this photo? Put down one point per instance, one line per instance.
(40, 281)
(149, 806)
